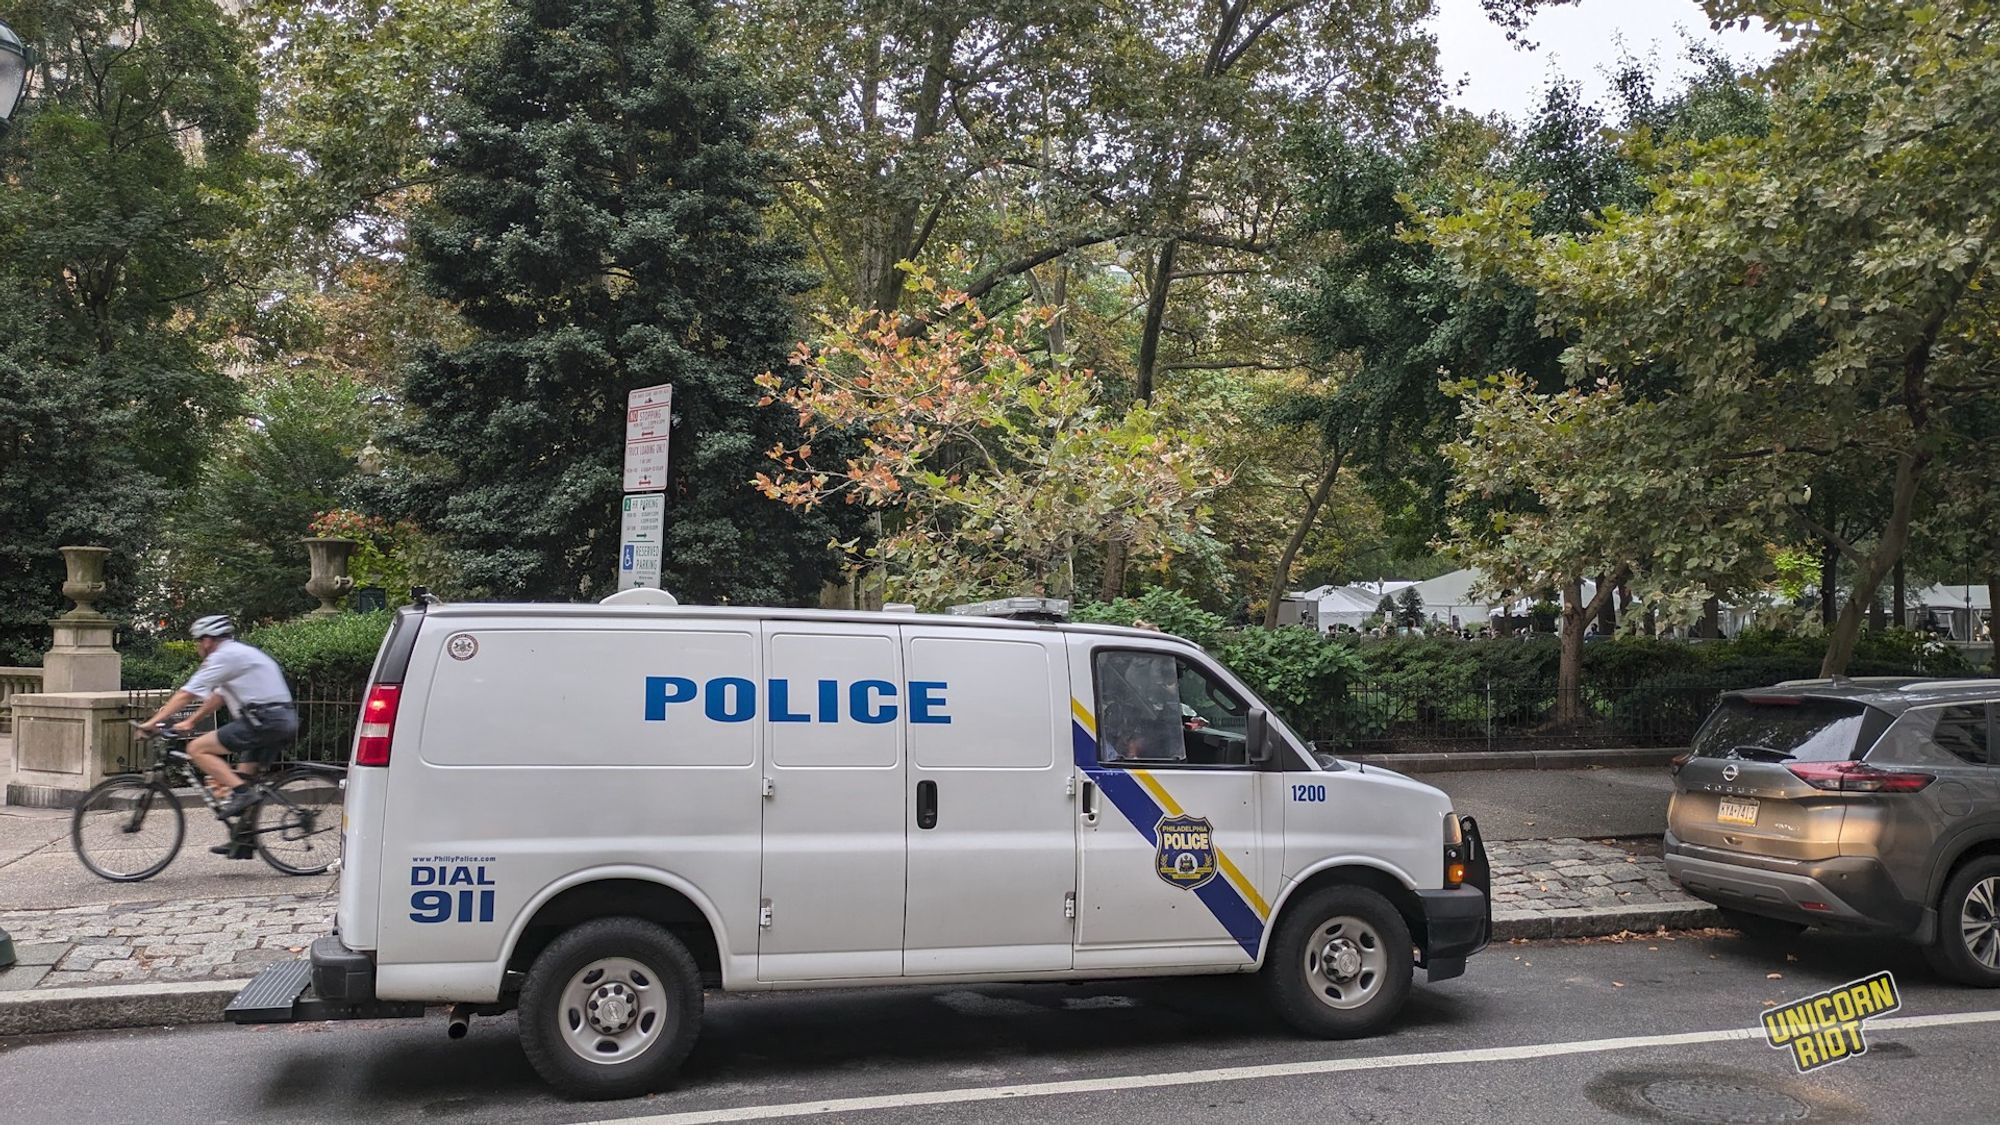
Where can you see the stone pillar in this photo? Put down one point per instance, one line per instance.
(82, 659)
(64, 744)
(329, 582)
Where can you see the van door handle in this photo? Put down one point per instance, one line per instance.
(926, 804)
(1090, 802)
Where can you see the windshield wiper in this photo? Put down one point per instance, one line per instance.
(1760, 753)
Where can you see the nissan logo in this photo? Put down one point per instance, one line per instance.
(1729, 772)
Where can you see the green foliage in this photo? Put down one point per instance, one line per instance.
(110, 222)
(1299, 672)
(598, 221)
(155, 664)
(1166, 610)
(234, 546)
(1410, 607)
(328, 656)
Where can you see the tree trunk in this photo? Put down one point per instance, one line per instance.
(1711, 619)
(1569, 670)
(1901, 598)
(1575, 612)
(1282, 574)
(1829, 581)
(1156, 317)
(1112, 582)
(1876, 566)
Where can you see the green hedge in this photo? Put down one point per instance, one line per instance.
(329, 657)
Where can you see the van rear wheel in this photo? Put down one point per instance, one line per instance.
(610, 1009)
(1339, 966)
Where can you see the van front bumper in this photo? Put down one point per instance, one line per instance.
(1458, 922)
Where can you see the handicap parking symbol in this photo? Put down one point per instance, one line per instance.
(627, 563)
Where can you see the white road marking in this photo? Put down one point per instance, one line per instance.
(1269, 1070)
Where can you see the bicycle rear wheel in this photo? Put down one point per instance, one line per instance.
(128, 828)
(297, 824)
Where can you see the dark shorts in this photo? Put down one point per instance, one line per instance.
(260, 737)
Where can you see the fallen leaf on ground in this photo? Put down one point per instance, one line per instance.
(1618, 984)
(1774, 976)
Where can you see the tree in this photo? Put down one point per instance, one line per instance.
(597, 221)
(121, 181)
(991, 467)
(1821, 290)
(1410, 607)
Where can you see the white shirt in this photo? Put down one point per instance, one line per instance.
(243, 674)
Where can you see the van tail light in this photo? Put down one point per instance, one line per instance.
(1859, 777)
(378, 725)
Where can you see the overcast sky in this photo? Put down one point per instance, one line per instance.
(1578, 42)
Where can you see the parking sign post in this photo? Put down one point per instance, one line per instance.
(642, 516)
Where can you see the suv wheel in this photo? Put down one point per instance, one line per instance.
(1967, 947)
(1339, 966)
(610, 1009)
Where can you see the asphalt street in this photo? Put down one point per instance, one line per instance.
(1588, 1031)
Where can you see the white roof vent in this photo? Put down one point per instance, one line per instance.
(899, 607)
(640, 595)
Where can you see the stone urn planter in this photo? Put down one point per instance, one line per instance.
(85, 583)
(329, 582)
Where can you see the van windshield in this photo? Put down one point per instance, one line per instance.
(1782, 730)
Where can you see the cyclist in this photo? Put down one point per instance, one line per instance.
(263, 718)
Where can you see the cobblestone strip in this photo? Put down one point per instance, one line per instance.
(171, 941)
(1545, 876)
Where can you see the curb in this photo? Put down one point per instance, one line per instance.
(1522, 924)
(102, 1007)
(1522, 760)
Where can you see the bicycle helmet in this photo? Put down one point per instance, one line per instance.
(214, 625)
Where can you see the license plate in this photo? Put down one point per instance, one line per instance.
(1736, 811)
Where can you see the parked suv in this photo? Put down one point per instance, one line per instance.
(1865, 805)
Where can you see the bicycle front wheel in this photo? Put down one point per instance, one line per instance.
(297, 824)
(128, 828)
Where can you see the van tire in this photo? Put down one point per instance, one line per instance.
(1974, 892)
(615, 962)
(1332, 923)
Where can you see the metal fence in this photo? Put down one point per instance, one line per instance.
(327, 719)
(1434, 716)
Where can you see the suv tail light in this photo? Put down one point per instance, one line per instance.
(378, 725)
(1678, 761)
(1859, 777)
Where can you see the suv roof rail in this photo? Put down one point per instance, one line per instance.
(1933, 685)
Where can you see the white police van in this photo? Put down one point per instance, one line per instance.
(589, 813)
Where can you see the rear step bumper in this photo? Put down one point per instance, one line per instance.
(286, 993)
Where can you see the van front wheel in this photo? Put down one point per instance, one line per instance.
(610, 1009)
(1339, 966)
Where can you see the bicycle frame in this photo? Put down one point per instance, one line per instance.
(174, 767)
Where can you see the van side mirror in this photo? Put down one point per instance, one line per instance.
(1257, 736)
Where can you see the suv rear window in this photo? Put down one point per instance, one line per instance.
(1805, 730)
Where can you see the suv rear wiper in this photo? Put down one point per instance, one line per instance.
(1761, 753)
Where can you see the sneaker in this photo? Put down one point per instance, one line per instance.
(233, 850)
(246, 794)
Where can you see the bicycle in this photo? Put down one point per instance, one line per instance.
(131, 825)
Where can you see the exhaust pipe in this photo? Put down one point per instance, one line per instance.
(458, 1022)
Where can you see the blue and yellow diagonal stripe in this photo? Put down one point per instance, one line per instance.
(1144, 800)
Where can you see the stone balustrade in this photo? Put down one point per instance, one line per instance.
(13, 682)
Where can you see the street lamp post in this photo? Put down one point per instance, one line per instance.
(15, 60)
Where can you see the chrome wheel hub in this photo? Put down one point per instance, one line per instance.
(612, 1010)
(1346, 962)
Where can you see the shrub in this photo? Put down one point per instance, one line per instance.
(329, 657)
(155, 664)
(1169, 610)
(1299, 673)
